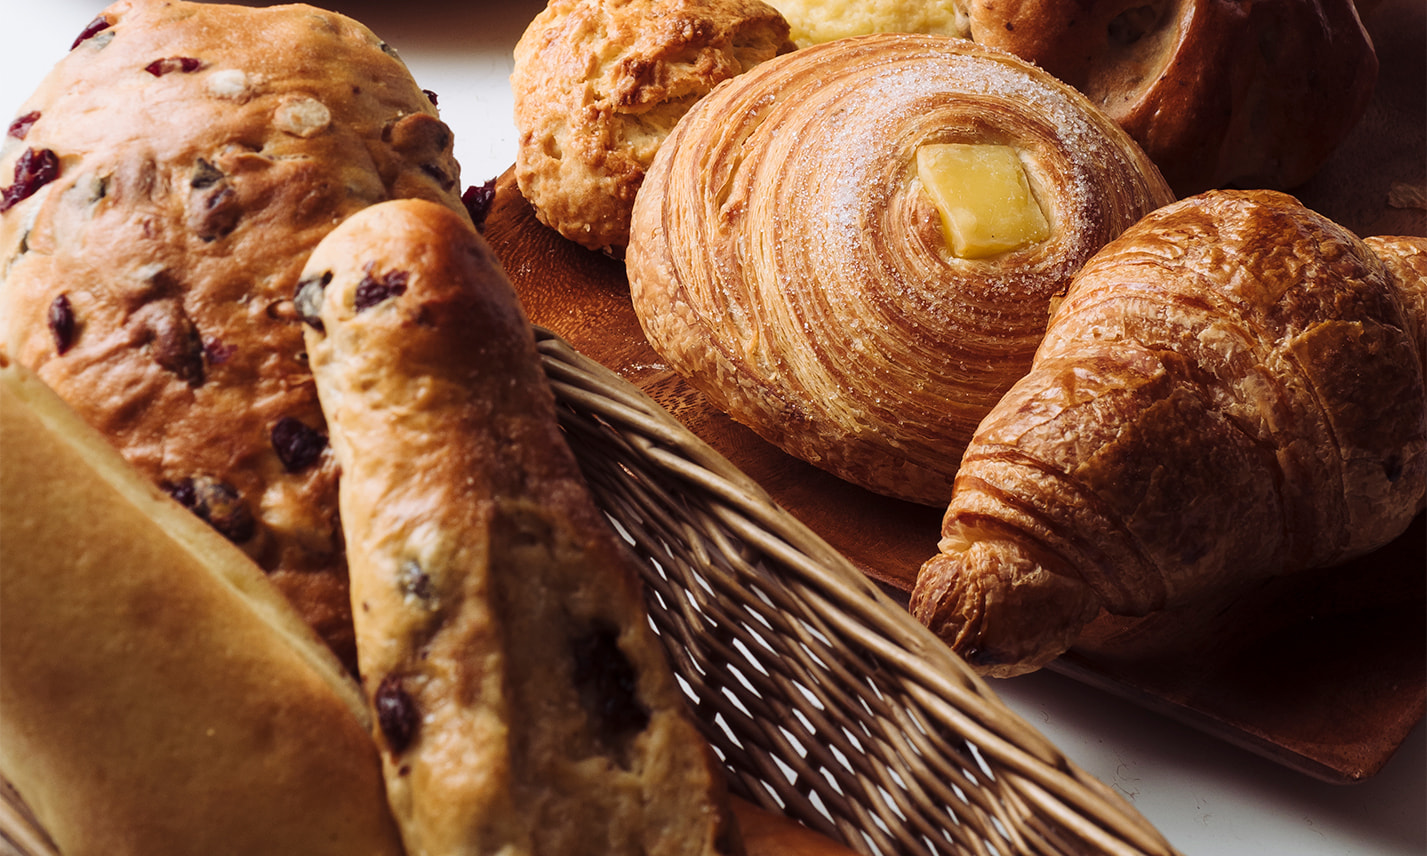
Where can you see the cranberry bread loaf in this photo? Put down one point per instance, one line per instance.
(167, 181)
(523, 703)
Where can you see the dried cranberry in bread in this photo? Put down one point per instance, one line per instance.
(523, 703)
(162, 189)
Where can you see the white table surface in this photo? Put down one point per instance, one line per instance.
(1208, 798)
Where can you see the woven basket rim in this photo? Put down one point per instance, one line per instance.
(1042, 802)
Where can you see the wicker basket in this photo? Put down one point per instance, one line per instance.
(825, 699)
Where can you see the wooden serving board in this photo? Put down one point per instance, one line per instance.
(1324, 672)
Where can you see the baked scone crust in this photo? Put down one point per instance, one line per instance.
(523, 703)
(598, 85)
(785, 259)
(151, 281)
(1230, 391)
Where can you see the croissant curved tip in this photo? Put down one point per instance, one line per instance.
(1003, 611)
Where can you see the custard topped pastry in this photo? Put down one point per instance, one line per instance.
(853, 249)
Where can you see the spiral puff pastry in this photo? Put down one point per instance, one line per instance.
(1231, 390)
(786, 258)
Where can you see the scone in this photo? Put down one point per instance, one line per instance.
(853, 249)
(598, 84)
(523, 703)
(167, 181)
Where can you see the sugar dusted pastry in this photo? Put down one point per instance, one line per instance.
(853, 249)
(1233, 389)
(598, 84)
(523, 703)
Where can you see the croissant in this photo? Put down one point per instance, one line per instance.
(803, 248)
(1231, 390)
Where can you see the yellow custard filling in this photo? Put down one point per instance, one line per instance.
(984, 198)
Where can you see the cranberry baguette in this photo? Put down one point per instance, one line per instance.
(524, 705)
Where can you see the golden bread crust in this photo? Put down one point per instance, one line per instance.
(599, 84)
(197, 167)
(157, 695)
(522, 699)
(1230, 391)
(1405, 257)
